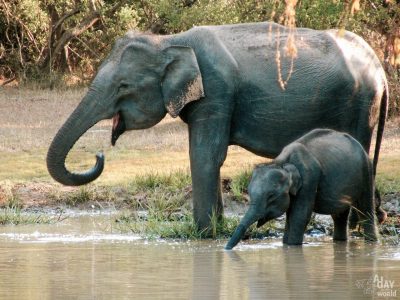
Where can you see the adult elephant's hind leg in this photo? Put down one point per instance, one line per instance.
(363, 134)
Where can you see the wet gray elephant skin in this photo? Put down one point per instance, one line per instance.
(223, 82)
(324, 171)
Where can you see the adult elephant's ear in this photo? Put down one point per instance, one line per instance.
(182, 82)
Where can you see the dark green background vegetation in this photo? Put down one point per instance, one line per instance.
(55, 42)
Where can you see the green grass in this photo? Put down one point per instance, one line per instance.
(16, 216)
(178, 179)
(183, 227)
(390, 231)
(387, 185)
(388, 173)
(240, 183)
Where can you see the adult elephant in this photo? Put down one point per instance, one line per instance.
(223, 82)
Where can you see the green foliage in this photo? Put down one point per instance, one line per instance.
(319, 14)
(27, 25)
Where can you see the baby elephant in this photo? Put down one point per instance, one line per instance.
(324, 171)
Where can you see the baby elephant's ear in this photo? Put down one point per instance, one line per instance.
(295, 179)
(182, 82)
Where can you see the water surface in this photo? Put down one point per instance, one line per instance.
(86, 258)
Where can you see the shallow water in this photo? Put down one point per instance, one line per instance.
(85, 258)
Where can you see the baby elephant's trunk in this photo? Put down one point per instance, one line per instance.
(249, 218)
(236, 237)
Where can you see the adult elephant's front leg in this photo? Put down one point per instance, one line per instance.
(209, 141)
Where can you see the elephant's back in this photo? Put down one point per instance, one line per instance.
(267, 37)
(255, 45)
(344, 165)
(360, 59)
(333, 148)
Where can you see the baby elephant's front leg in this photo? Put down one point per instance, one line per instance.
(298, 217)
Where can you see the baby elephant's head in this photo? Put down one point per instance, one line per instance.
(269, 190)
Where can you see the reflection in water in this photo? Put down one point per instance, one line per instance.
(83, 258)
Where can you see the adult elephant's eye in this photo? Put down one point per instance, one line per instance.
(123, 87)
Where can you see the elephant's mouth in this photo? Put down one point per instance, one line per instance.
(262, 221)
(118, 127)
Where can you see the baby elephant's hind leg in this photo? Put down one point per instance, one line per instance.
(340, 225)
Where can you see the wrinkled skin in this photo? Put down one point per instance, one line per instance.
(324, 171)
(222, 81)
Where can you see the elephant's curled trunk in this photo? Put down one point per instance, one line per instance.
(77, 124)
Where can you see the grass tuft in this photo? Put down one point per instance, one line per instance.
(8, 196)
(83, 195)
(182, 226)
(173, 180)
(15, 216)
(390, 231)
(239, 185)
(387, 185)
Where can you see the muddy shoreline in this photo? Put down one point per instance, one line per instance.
(36, 196)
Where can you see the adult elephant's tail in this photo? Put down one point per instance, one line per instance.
(380, 213)
(381, 126)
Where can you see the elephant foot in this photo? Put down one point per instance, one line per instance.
(340, 232)
(294, 242)
(207, 217)
(340, 238)
(208, 227)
